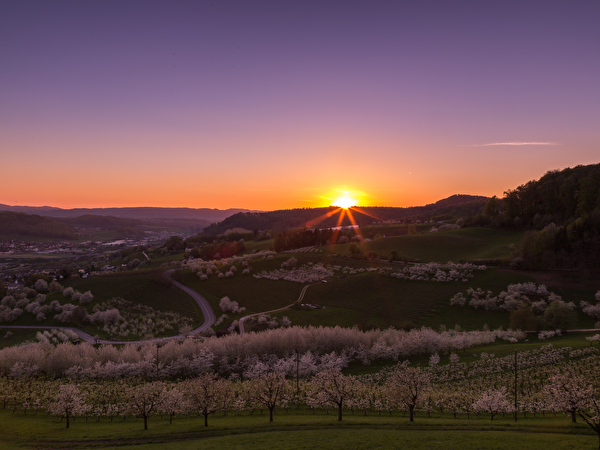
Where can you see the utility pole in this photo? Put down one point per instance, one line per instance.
(157, 347)
(516, 403)
(297, 374)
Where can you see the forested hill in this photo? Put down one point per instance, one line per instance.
(12, 223)
(560, 196)
(561, 210)
(452, 207)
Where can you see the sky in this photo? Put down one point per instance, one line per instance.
(274, 105)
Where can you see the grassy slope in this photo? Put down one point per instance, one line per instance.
(255, 295)
(257, 246)
(145, 287)
(371, 300)
(298, 429)
(454, 245)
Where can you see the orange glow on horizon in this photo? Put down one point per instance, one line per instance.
(345, 202)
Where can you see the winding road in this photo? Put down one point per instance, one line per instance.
(207, 312)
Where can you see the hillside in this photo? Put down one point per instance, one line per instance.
(562, 212)
(560, 196)
(452, 207)
(141, 213)
(13, 223)
(125, 227)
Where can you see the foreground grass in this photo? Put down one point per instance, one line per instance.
(297, 429)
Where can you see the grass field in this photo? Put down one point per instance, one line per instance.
(255, 295)
(456, 245)
(258, 246)
(145, 287)
(371, 300)
(297, 429)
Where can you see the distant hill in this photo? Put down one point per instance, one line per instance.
(130, 228)
(452, 207)
(141, 213)
(20, 224)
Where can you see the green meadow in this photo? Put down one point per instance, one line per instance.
(464, 244)
(297, 429)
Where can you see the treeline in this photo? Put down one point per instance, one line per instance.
(282, 219)
(302, 237)
(561, 210)
(31, 225)
(218, 250)
(452, 207)
(210, 247)
(559, 196)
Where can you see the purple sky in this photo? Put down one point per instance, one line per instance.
(271, 105)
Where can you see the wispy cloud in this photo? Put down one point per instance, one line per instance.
(515, 144)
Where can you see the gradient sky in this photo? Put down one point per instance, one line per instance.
(273, 104)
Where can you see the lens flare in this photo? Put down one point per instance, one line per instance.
(345, 202)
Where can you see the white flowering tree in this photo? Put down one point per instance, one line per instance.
(493, 402)
(573, 393)
(144, 400)
(407, 385)
(69, 402)
(268, 390)
(207, 394)
(333, 386)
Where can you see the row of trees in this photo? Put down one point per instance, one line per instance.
(540, 384)
(231, 355)
(301, 237)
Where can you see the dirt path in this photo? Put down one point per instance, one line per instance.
(300, 297)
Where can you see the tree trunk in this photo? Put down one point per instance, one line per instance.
(145, 422)
(411, 413)
(271, 414)
(67, 417)
(573, 416)
(205, 420)
(340, 412)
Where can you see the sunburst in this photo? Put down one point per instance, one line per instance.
(345, 202)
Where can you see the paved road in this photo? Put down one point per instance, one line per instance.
(300, 297)
(207, 312)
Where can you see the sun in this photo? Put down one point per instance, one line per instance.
(345, 202)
